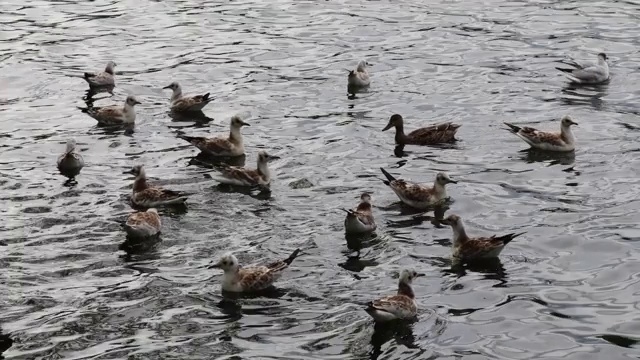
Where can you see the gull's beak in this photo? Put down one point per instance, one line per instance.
(389, 125)
(445, 221)
(420, 274)
(451, 181)
(167, 87)
(137, 102)
(214, 266)
(128, 172)
(574, 123)
(245, 124)
(273, 157)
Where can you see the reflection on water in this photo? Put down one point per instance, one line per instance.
(75, 287)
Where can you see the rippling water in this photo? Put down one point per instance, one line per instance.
(74, 289)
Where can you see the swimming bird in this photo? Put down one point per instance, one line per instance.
(143, 224)
(467, 248)
(221, 146)
(430, 135)
(361, 219)
(417, 195)
(359, 77)
(147, 196)
(114, 114)
(105, 78)
(70, 163)
(240, 176)
(401, 306)
(181, 103)
(548, 141)
(240, 279)
(588, 74)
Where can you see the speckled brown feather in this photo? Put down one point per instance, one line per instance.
(411, 191)
(251, 176)
(144, 217)
(109, 115)
(435, 134)
(214, 146)
(482, 246)
(191, 103)
(257, 278)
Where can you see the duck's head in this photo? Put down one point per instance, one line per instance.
(407, 276)
(110, 66)
(394, 120)
(228, 262)
(444, 179)
(132, 101)
(567, 121)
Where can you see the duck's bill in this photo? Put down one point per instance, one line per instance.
(387, 127)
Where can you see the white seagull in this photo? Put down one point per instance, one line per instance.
(588, 74)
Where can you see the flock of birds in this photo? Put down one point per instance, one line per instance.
(360, 220)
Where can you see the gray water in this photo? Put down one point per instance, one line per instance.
(73, 288)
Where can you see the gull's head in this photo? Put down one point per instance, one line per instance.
(452, 220)
(444, 179)
(237, 123)
(407, 276)
(110, 66)
(137, 171)
(264, 158)
(173, 86)
(366, 197)
(228, 262)
(567, 121)
(71, 145)
(603, 56)
(362, 66)
(394, 120)
(132, 101)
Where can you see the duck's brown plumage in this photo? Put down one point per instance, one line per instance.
(430, 135)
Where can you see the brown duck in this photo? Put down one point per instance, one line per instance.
(430, 135)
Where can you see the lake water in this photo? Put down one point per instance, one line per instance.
(72, 288)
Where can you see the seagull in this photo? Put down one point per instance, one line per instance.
(70, 163)
(114, 114)
(104, 78)
(182, 103)
(430, 135)
(221, 146)
(240, 279)
(150, 196)
(548, 141)
(143, 224)
(417, 195)
(359, 78)
(361, 219)
(401, 306)
(588, 74)
(261, 176)
(467, 248)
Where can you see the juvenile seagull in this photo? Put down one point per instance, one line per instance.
(182, 103)
(147, 196)
(467, 248)
(70, 163)
(588, 74)
(104, 78)
(562, 141)
(143, 224)
(240, 176)
(417, 195)
(359, 77)
(430, 135)
(221, 146)
(114, 114)
(360, 220)
(240, 279)
(401, 306)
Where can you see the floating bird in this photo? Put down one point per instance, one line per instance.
(70, 163)
(359, 78)
(148, 196)
(221, 146)
(401, 306)
(417, 195)
(430, 135)
(114, 114)
(142, 224)
(104, 78)
(547, 141)
(588, 74)
(361, 219)
(240, 176)
(467, 248)
(182, 103)
(240, 279)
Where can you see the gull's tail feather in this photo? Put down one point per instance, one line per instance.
(389, 177)
(565, 70)
(292, 257)
(507, 238)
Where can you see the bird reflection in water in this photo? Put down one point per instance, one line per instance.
(578, 94)
(93, 91)
(191, 116)
(492, 269)
(400, 331)
(140, 248)
(553, 158)
(215, 162)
